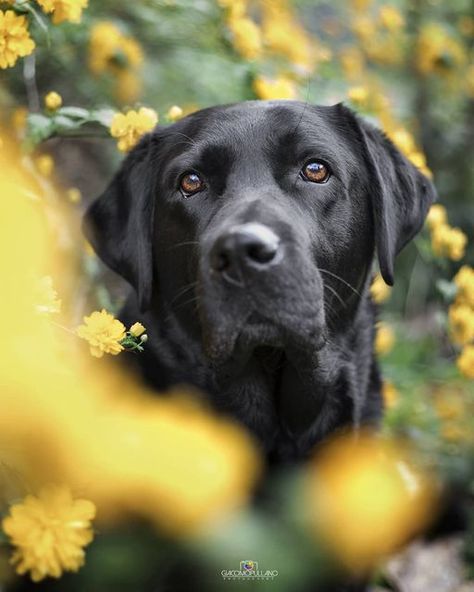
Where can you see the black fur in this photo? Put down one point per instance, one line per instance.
(289, 350)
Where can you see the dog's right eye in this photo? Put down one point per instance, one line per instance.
(191, 183)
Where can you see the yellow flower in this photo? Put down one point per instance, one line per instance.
(15, 40)
(53, 101)
(111, 50)
(379, 289)
(391, 18)
(436, 216)
(358, 95)
(129, 128)
(464, 280)
(384, 339)
(368, 481)
(448, 242)
(438, 52)
(403, 140)
(246, 37)
(461, 323)
(419, 160)
(49, 532)
(390, 395)
(449, 405)
(283, 35)
(279, 88)
(465, 362)
(45, 165)
(352, 62)
(128, 86)
(365, 28)
(47, 297)
(103, 332)
(19, 118)
(137, 329)
(64, 10)
(74, 195)
(174, 113)
(453, 432)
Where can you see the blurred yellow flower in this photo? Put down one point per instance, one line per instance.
(367, 499)
(74, 195)
(419, 160)
(49, 532)
(278, 88)
(457, 433)
(128, 85)
(391, 18)
(47, 300)
(130, 127)
(461, 323)
(448, 242)
(285, 36)
(45, 164)
(437, 216)
(384, 339)
(464, 280)
(64, 10)
(449, 405)
(465, 361)
(137, 329)
(379, 289)
(352, 62)
(53, 101)
(390, 395)
(438, 52)
(19, 118)
(112, 51)
(174, 113)
(358, 95)
(403, 140)
(103, 332)
(15, 40)
(365, 28)
(246, 37)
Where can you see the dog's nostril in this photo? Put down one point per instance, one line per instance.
(220, 261)
(261, 252)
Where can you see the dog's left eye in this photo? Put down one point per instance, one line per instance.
(316, 172)
(191, 183)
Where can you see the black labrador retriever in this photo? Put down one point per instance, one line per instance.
(249, 232)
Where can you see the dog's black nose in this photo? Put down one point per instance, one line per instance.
(247, 245)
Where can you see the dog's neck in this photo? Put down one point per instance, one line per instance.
(289, 399)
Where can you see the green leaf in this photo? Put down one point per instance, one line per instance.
(75, 112)
(447, 289)
(65, 123)
(102, 116)
(39, 127)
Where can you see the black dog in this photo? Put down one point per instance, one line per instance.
(248, 232)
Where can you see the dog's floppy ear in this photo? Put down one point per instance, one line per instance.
(119, 223)
(401, 195)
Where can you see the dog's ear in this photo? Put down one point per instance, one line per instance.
(119, 223)
(401, 195)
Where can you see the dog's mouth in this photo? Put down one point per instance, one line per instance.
(256, 332)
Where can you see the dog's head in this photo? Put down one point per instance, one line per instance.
(262, 217)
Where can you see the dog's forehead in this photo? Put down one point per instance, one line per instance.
(256, 123)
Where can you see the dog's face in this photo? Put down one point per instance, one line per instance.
(257, 223)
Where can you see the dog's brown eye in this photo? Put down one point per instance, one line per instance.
(316, 172)
(191, 183)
